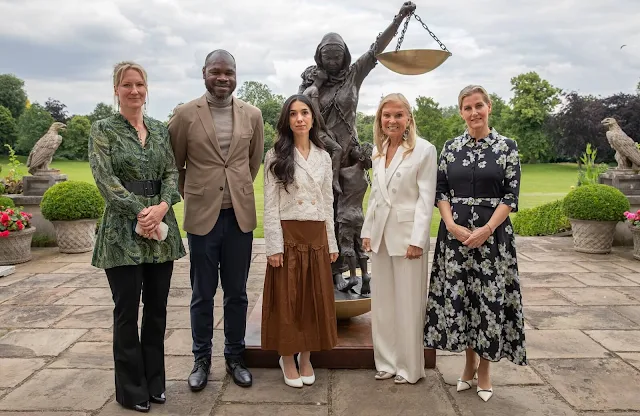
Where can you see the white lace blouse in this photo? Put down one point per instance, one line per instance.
(309, 198)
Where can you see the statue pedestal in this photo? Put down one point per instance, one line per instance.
(38, 184)
(628, 182)
(354, 349)
(33, 188)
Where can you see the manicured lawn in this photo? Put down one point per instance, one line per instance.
(540, 184)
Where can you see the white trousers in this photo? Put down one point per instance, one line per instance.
(399, 289)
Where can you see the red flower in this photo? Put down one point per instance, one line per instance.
(19, 224)
(5, 218)
(4, 233)
(10, 212)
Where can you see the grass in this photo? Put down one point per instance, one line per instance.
(540, 184)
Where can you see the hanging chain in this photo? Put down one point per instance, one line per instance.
(404, 30)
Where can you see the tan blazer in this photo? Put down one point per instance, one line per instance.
(203, 169)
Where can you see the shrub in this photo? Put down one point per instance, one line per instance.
(596, 203)
(6, 202)
(546, 219)
(72, 200)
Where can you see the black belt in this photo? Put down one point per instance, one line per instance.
(146, 188)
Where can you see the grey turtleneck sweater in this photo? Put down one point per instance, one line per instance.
(222, 114)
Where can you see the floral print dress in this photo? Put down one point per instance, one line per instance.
(474, 296)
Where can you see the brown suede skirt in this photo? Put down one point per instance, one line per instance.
(298, 306)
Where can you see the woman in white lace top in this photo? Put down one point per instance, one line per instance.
(298, 312)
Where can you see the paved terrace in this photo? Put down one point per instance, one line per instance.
(583, 339)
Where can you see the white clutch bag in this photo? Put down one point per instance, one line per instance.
(164, 229)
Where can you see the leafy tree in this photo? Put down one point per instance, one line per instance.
(12, 94)
(499, 114)
(437, 124)
(101, 111)
(534, 98)
(32, 125)
(364, 126)
(75, 139)
(270, 135)
(260, 95)
(8, 128)
(57, 110)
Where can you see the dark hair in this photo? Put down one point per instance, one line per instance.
(283, 165)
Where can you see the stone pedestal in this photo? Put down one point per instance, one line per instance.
(628, 182)
(38, 184)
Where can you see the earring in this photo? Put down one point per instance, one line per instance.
(405, 135)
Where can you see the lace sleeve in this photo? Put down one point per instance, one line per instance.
(274, 241)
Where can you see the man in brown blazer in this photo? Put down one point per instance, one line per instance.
(218, 144)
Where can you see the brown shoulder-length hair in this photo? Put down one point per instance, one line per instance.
(380, 139)
(283, 164)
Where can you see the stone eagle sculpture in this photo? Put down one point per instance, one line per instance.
(627, 153)
(42, 153)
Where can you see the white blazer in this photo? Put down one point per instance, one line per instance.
(402, 199)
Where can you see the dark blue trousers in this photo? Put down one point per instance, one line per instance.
(223, 254)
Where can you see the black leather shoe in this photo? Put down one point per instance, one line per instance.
(160, 399)
(199, 374)
(143, 407)
(239, 372)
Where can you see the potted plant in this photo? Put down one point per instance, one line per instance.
(633, 220)
(73, 207)
(594, 211)
(16, 232)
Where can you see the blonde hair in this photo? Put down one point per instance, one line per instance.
(380, 139)
(470, 90)
(121, 68)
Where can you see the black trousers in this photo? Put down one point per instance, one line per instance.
(139, 362)
(222, 254)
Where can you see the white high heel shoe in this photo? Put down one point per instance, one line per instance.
(465, 384)
(291, 382)
(485, 394)
(308, 380)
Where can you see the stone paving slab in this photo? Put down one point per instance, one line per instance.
(569, 343)
(62, 390)
(38, 342)
(582, 314)
(180, 402)
(594, 384)
(384, 397)
(512, 400)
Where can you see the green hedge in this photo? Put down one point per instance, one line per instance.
(72, 200)
(6, 202)
(546, 219)
(596, 203)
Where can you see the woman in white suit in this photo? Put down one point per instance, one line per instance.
(396, 230)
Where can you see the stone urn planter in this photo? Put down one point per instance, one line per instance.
(635, 232)
(15, 248)
(73, 207)
(594, 237)
(77, 236)
(594, 211)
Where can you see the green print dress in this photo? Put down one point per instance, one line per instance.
(474, 296)
(116, 155)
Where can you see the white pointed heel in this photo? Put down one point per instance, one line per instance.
(463, 385)
(485, 394)
(383, 375)
(291, 382)
(308, 380)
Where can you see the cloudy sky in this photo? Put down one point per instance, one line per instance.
(66, 49)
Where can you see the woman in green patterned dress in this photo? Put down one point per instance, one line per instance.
(138, 240)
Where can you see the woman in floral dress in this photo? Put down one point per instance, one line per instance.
(474, 303)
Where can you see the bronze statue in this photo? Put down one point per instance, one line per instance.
(333, 84)
(354, 181)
